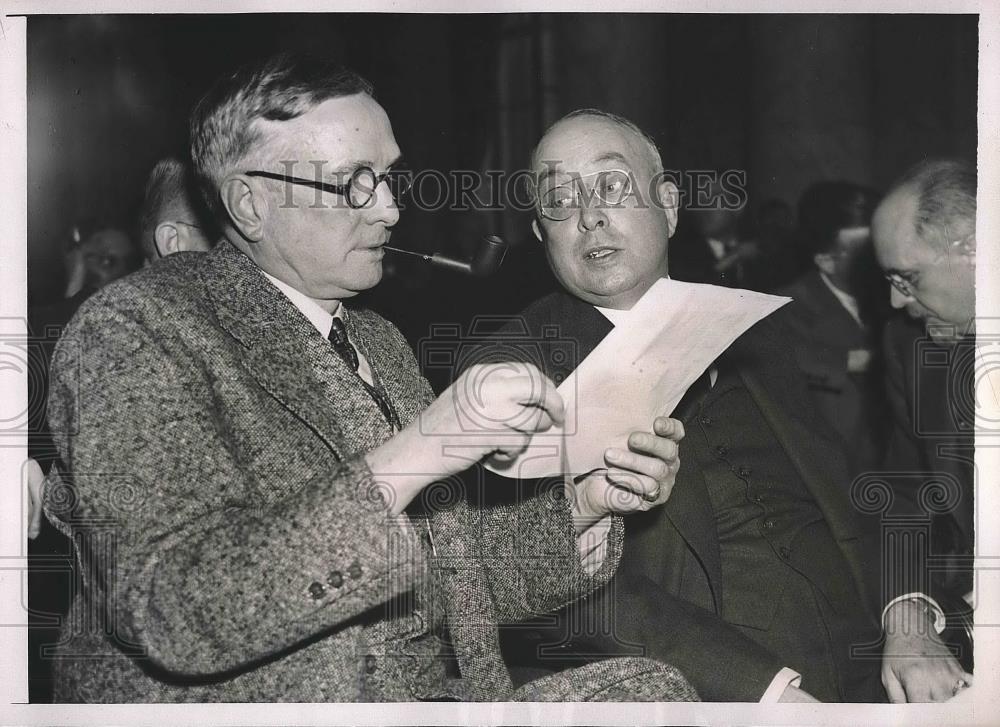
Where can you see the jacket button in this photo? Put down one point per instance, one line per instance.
(354, 571)
(706, 421)
(722, 450)
(758, 498)
(316, 590)
(335, 579)
(785, 552)
(745, 472)
(370, 664)
(768, 524)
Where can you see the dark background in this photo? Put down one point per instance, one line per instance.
(790, 99)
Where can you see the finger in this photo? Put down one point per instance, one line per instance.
(916, 690)
(36, 479)
(892, 687)
(654, 467)
(622, 502)
(646, 487)
(668, 427)
(530, 421)
(512, 447)
(541, 392)
(653, 446)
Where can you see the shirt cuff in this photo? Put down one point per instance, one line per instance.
(782, 680)
(593, 545)
(939, 620)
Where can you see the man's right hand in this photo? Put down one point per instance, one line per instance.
(491, 409)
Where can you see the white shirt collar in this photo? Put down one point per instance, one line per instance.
(313, 311)
(846, 299)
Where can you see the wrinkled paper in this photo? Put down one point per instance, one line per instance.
(640, 371)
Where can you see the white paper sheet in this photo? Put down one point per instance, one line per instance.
(640, 371)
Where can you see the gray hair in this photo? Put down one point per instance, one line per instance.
(946, 198)
(279, 88)
(170, 191)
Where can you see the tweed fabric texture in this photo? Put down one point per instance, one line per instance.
(233, 541)
(626, 679)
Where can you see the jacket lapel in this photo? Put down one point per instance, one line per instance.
(288, 357)
(814, 448)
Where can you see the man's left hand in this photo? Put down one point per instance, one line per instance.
(635, 480)
(916, 664)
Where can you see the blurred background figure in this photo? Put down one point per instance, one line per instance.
(173, 218)
(837, 316)
(710, 247)
(780, 260)
(101, 258)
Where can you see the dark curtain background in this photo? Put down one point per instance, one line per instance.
(791, 99)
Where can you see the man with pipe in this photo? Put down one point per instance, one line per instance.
(253, 472)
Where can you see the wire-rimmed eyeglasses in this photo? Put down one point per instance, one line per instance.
(611, 187)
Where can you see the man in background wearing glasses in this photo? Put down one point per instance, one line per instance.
(755, 578)
(925, 239)
(236, 466)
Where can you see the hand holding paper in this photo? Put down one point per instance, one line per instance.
(634, 480)
(638, 372)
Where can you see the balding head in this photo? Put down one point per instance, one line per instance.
(925, 238)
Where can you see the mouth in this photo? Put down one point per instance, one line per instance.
(599, 253)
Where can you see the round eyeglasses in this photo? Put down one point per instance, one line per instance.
(610, 187)
(360, 187)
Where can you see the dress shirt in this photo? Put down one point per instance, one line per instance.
(321, 320)
(849, 302)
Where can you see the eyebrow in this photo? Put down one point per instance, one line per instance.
(608, 156)
(354, 164)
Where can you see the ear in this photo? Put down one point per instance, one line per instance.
(536, 229)
(245, 205)
(668, 197)
(825, 262)
(967, 247)
(166, 237)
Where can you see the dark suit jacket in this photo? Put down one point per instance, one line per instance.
(652, 608)
(931, 448)
(823, 334)
(215, 484)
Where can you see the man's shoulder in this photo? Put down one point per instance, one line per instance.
(159, 295)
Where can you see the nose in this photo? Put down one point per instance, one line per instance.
(897, 299)
(383, 207)
(591, 216)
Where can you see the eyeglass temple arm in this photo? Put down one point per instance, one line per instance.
(485, 262)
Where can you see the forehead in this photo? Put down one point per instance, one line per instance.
(583, 144)
(337, 131)
(894, 231)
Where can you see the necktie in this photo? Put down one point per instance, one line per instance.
(342, 345)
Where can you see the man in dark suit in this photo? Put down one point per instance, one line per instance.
(257, 478)
(754, 578)
(925, 239)
(836, 317)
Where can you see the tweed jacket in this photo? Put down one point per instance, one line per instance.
(232, 542)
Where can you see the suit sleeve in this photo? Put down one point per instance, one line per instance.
(203, 582)
(532, 555)
(720, 662)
